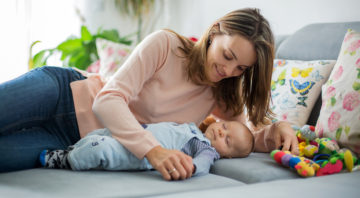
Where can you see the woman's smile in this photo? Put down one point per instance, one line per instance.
(221, 74)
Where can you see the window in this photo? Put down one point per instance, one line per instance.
(25, 21)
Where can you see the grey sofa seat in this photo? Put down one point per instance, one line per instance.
(256, 168)
(66, 183)
(340, 185)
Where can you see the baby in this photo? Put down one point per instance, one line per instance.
(223, 139)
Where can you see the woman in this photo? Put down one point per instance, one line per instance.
(166, 78)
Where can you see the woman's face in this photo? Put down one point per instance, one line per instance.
(228, 56)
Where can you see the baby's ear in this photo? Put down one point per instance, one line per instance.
(204, 125)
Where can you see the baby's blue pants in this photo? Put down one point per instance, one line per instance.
(99, 150)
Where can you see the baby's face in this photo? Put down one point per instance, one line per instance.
(229, 138)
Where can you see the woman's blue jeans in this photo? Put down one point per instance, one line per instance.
(36, 113)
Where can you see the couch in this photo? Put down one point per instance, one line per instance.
(255, 176)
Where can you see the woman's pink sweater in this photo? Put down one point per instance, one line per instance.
(150, 87)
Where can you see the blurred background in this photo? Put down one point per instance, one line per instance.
(48, 23)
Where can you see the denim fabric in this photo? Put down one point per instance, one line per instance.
(36, 113)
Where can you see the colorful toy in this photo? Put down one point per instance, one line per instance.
(335, 163)
(349, 160)
(306, 168)
(318, 156)
(327, 145)
(310, 150)
(346, 156)
(306, 133)
(303, 166)
(330, 168)
(301, 148)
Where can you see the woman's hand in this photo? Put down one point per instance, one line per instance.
(275, 136)
(172, 164)
(284, 136)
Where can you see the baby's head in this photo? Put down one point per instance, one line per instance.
(230, 138)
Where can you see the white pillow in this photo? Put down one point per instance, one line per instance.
(295, 86)
(112, 55)
(340, 112)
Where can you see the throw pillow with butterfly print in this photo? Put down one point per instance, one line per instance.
(295, 87)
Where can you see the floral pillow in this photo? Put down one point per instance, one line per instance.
(295, 87)
(112, 55)
(340, 112)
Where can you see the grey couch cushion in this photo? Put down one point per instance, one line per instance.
(257, 167)
(338, 185)
(317, 41)
(65, 183)
(279, 39)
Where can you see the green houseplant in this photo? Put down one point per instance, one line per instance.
(77, 52)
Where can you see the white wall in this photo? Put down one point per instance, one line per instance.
(192, 17)
(103, 14)
(25, 21)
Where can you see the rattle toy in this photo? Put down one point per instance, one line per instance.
(303, 166)
(317, 156)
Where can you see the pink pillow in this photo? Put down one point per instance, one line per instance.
(112, 55)
(340, 112)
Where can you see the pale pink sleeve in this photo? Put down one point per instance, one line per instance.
(111, 103)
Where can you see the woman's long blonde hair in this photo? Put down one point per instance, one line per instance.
(252, 88)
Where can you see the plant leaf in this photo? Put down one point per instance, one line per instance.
(70, 58)
(69, 46)
(85, 34)
(40, 58)
(31, 59)
(111, 35)
(80, 59)
(79, 52)
(83, 63)
(125, 40)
